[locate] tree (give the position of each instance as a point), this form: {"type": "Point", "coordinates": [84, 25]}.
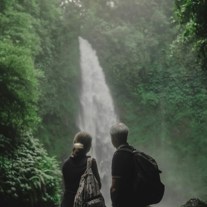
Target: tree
{"type": "Point", "coordinates": [191, 16]}
{"type": "Point", "coordinates": [19, 85]}
{"type": "Point", "coordinates": [29, 177]}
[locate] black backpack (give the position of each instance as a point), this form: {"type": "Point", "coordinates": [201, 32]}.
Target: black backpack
{"type": "Point", "coordinates": [147, 186]}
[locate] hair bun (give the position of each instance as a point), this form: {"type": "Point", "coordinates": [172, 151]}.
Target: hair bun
{"type": "Point", "coordinates": [78, 145]}
{"type": "Point", "coordinates": [78, 150]}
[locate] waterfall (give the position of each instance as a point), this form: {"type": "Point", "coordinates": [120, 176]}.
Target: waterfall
{"type": "Point", "coordinates": [97, 112]}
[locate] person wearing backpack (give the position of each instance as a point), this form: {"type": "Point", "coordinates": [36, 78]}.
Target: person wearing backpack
{"type": "Point", "coordinates": [75, 166]}
{"type": "Point", "coordinates": [135, 175]}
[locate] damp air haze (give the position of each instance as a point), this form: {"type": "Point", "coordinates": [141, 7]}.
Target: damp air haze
{"type": "Point", "coordinates": [97, 112]}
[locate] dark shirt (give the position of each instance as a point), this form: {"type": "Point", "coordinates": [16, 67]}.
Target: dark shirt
{"type": "Point", "coordinates": [73, 169]}
{"type": "Point", "coordinates": [123, 169]}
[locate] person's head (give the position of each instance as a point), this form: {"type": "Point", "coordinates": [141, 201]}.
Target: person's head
{"type": "Point", "coordinates": [119, 133]}
{"type": "Point", "coordinates": [81, 143]}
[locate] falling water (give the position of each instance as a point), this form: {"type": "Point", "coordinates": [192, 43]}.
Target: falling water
{"type": "Point", "coordinates": [97, 113]}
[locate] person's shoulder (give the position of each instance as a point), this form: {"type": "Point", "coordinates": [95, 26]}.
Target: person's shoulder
{"type": "Point", "coordinates": [124, 149]}
{"type": "Point", "coordinates": [66, 162]}
{"type": "Point", "coordinates": [124, 152]}
{"type": "Point", "coordinates": [92, 159]}
{"type": "Point", "coordinates": [69, 158]}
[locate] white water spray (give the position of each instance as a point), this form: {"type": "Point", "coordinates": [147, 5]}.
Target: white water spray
{"type": "Point", "coordinates": [97, 112]}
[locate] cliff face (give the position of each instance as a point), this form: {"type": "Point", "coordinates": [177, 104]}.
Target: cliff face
{"type": "Point", "coordinates": [194, 202]}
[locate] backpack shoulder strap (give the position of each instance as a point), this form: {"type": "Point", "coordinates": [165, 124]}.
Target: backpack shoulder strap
{"type": "Point", "coordinates": [127, 148]}
{"type": "Point", "coordinates": [89, 163]}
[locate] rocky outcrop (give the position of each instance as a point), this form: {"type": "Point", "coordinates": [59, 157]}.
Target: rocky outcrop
{"type": "Point", "coordinates": [194, 202]}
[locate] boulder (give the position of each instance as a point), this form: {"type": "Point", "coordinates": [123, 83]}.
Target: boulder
{"type": "Point", "coordinates": [195, 202]}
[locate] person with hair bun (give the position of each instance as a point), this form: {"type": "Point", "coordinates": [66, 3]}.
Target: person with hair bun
{"type": "Point", "coordinates": [74, 167]}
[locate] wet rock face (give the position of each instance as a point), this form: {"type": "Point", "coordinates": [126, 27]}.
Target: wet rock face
{"type": "Point", "coordinates": [194, 202]}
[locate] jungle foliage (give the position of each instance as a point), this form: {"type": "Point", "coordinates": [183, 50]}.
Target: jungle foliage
{"type": "Point", "coordinates": [59, 61]}
{"type": "Point", "coordinates": [191, 16]}
{"type": "Point", "coordinates": [29, 177]}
